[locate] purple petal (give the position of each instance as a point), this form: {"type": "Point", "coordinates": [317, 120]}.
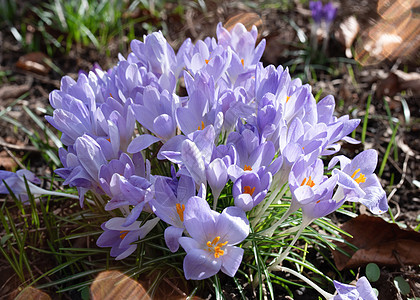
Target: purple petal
{"type": "Point", "coordinates": [198, 265]}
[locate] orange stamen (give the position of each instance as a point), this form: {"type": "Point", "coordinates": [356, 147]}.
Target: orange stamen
{"type": "Point", "coordinates": [202, 126]}
{"type": "Point", "coordinates": [123, 234]}
{"type": "Point", "coordinates": [248, 190]}
{"type": "Point", "coordinates": [247, 168]}
{"type": "Point", "coordinates": [287, 99]}
{"type": "Point", "coordinates": [180, 210]}
{"type": "Point", "coordinates": [207, 61]}
{"type": "Point", "coordinates": [361, 178]}
{"type": "Point", "coordinates": [243, 62]}
{"type": "Point", "coordinates": [214, 246]}
{"type": "Point", "coordinates": [309, 182]}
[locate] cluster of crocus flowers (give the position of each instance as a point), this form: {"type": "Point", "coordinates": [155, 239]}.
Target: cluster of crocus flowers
{"type": "Point", "coordinates": [242, 130]}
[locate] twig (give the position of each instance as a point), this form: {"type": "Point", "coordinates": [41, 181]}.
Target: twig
{"type": "Point", "coordinates": [14, 158]}
{"type": "Point", "coordinates": [17, 147]}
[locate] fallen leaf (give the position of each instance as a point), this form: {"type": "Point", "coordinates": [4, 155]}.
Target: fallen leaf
{"type": "Point", "coordinates": [347, 32]}
{"type": "Point", "coordinates": [395, 34]}
{"type": "Point", "coordinates": [33, 294]}
{"type": "Point", "coordinates": [248, 19]}
{"type": "Point", "coordinates": [34, 62]}
{"type": "Point", "coordinates": [115, 285]}
{"type": "Point", "coordinates": [378, 242]}
{"type": "Point", "coordinates": [398, 81]}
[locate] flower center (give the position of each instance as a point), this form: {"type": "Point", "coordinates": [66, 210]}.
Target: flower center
{"type": "Point", "coordinates": [309, 182]}
{"type": "Point", "coordinates": [249, 190]}
{"type": "Point", "coordinates": [247, 168]}
{"type": "Point", "coordinates": [214, 246]}
{"type": "Point", "coordinates": [207, 61]}
{"type": "Point", "coordinates": [287, 99]}
{"type": "Point", "coordinates": [180, 210]}
{"type": "Point", "coordinates": [242, 62]}
{"type": "Point", "coordinates": [123, 234]}
{"type": "Point", "coordinates": [202, 126]}
{"type": "Point", "coordinates": [360, 179]}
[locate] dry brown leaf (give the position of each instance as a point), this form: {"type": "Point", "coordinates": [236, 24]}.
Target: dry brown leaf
{"type": "Point", "coordinates": [379, 242]}
{"type": "Point", "coordinates": [248, 19]}
{"type": "Point", "coordinates": [395, 35]}
{"type": "Point", "coordinates": [33, 294]}
{"type": "Point", "coordinates": [347, 32]}
{"type": "Point", "coordinates": [398, 81]}
{"type": "Point", "coordinates": [115, 285]}
{"type": "Point", "coordinates": [34, 62]}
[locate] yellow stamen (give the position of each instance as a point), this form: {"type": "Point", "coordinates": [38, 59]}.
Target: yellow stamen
{"type": "Point", "coordinates": [202, 126]}
{"type": "Point", "coordinates": [123, 234]}
{"type": "Point", "coordinates": [360, 179]}
{"type": "Point", "coordinates": [248, 190]}
{"type": "Point", "coordinates": [243, 62]}
{"type": "Point", "coordinates": [309, 183]}
{"type": "Point", "coordinates": [214, 246]}
{"type": "Point", "coordinates": [287, 99]}
{"type": "Point", "coordinates": [207, 61]}
{"type": "Point", "coordinates": [247, 168]}
{"type": "Point", "coordinates": [180, 210]}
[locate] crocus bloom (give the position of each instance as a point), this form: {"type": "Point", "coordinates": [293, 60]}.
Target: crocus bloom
{"type": "Point", "coordinates": [120, 237]}
{"type": "Point", "coordinates": [362, 291]}
{"type": "Point", "coordinates": [310, 187]}
{"type": "Point", "coordinates": [329, 12]}
{"type": "Point", "coordinates": [357, 181]}
{"type": "Point", "coordinates": [316, 10]}
{"type": "Point", "coordinates": [213, 236]}
{"type": "Point", "coordinates": [16, 183]}
{"type": "Point", "coordinates": [169, 205]}
{"type": "Point", "coordinates": [250, 189]}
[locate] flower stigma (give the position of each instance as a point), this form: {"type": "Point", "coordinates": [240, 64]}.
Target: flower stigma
{"type": "Point", "coordinates": [123, 234]}
{"type": "Point", "coordinates": [242, 62]}
{"type": "Point", "coordinates": [180, 210]}
{"type": "Point", "coordinates": [360, 179]}
{"type": "Point", "coordinates": [249, 190]}
{"type": "Point", "coordinates": [202, 126]}
{"type": "Point", "coordinates": [214, 246]}
{"type": "Point", "coordinates": [309, 182]}
{"type": "Point", "coordinates": [247, 168]}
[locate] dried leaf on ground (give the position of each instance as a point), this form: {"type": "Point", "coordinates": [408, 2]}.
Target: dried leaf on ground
{"type": "Point", "coordinates": [115, 285]}
{"type": "Point", "coordinates": [248, 19]}
{"type": "Point", "coordinates": [378, 241]}
{"type": "Point", "coordinates": [398, 81]}
{"type": "Point", "coordinates": [33, 294]}
{"type": "Point", "coordinates": [34, 62]}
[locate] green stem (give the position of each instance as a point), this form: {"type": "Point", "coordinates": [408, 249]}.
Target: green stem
{"type": "Point", "coordinates": [324, 294]}
{"type": "Point", "coordinates": [282, 256]}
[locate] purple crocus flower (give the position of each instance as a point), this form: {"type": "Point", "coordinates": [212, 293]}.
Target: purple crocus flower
{"type": "Point", "coordinates": [120, 237]}
{"type": "Point", "coordinates": [311, 190]}
{"type": "Point", "coordinates": [362, 291]}
{"type": "Point", "coordinates": [316, 10]}
{"type": "Point", "coordinates": [154, 53]}
{"type": "Point", "coordinates": [250, 189]}
{"type": "Point", "coordinates": [16, 183]}
{"type": "Point", "coordinates": [169, 205]}
{"type": "Point", "coordinates": [252, 156]}
{"type": "Point", "coordinates": [213, 62]}
{"type": "Point", "coordinates": [81, 165]}
{"type": "Point", "coordinates": [242, 42]}
{"type": "Point", "coordinates": [213, 236]}
{"type": "Point", "coordinates": [127, 182]}
{"type": "Point", "coordinates": [329, 12]}
{"type": "Point", "coordinates": [193, 153]}
{"type": "Point", "coordinates": [357, 181]}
